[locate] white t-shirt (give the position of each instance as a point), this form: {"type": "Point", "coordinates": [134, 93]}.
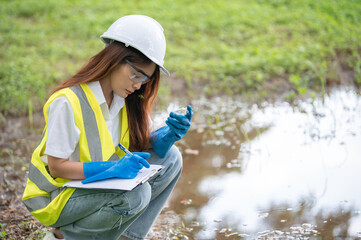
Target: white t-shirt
{"type": "Point", "coordinates": [63, 134]}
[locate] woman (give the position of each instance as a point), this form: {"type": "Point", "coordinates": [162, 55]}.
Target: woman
{"type": "Point", "coordinates": [109, 101]}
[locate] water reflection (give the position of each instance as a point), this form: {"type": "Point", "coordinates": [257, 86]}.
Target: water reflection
{"type": "Point", "coordinates": [272, 171]}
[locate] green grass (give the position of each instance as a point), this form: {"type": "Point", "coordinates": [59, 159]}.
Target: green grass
{"type": "Point", "coordinates": [227, 46]}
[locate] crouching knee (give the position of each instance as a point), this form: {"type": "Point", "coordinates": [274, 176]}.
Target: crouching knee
{"type": "Point", "coordinates": [140, 198]}
{"type": "Point", "coordinates": [135, 201]}
{"type": "Point", "coordinates": [174, 159]}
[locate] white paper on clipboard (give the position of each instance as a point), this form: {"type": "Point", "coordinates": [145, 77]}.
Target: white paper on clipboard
{"type": "Point", "coordinates": [117, 183]}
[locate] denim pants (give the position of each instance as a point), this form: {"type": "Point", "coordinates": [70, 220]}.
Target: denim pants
{"type": "Point", "coordinates": [109, 214]}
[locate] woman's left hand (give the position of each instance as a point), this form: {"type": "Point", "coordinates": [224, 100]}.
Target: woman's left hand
{"type": "Point", "coordinates": [179, 124]}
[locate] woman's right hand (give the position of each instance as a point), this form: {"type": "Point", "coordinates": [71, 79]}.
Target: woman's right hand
{"type": "Point", "coordinates": [127, 167]}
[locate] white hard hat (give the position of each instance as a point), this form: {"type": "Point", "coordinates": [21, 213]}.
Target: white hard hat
{"type": "Point", "coordinates": [142, 33]}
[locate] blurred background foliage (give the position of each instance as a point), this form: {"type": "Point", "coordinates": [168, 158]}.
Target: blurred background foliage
{"type": "Point", "coordinates": [223, 47]}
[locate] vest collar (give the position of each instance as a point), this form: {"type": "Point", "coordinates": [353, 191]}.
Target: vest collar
{"type": "Point", "coordinates": [117, 103]}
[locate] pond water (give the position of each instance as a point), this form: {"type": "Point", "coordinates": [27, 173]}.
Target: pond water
{"type": "Point", "coordinates": [272, 170]}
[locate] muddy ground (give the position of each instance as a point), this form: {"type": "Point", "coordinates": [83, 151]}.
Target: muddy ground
{"type": "Point", "coordinates": [17, 140]}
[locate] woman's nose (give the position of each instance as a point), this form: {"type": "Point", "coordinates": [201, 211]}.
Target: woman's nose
{"type": "Point", "coordinates": [137, 85]}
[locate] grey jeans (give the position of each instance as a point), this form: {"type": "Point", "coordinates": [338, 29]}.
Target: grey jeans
{"type": "Point", "coordinates": [108, 214]}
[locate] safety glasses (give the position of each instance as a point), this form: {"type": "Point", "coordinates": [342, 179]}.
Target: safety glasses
{"type": "Point", "coordinates": [139, 76]}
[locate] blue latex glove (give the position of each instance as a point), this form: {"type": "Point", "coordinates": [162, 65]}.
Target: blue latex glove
{"type": "Point", "coordinates": [93, 168]}
{"type": "Point", "coordinates": [126, 167]}
{"type": "Point", "coordinates": [178, 125]}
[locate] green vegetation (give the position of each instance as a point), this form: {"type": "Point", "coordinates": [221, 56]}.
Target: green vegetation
{"type": "Point", "coordinates": [227, 46]}
{"type": "Point", "coordinates": [32, 229]}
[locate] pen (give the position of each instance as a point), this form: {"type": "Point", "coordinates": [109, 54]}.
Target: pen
{"type": "Point", "coordinates": [124, 149]}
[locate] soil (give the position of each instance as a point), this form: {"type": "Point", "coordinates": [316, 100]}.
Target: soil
{"type": "Point", "coordinates": [17, 140]}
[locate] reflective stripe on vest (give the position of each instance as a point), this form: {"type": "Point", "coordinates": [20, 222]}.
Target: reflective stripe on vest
{"type": "Point", "coordinates": [90, 125]}
{"type": "Point", "coordinates": [39, 202]}
{"type": "Point", "coordinates": [40, 180]}
{"type": "Point", "coordinates": [44, 196]}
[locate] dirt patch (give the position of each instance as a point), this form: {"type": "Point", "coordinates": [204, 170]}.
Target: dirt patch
{"type": "Point", "coordinates": [17, 142]}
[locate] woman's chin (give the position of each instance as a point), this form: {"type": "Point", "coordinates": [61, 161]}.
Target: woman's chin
{"type": "Point", "coordinates": [122, 94]}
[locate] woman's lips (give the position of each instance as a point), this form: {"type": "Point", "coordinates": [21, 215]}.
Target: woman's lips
{"type": "Point", "coordinates": [129, 92]}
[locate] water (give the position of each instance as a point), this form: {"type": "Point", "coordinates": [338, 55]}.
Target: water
{"type": "Point", "coordinates": [272, 171]}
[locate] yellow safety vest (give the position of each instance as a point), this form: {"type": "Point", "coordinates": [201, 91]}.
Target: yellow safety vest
{"type": "Point", "coordinates": [44, 195]}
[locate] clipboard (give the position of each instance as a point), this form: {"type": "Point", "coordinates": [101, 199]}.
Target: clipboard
{"type": "Point", "coordinates": [143, 176]}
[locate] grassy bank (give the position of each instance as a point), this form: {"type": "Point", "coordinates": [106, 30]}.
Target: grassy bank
{"type": "Point", "coordinates": [225, 46]}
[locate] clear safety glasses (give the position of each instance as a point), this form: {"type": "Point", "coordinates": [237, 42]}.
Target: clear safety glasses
{"type": "Point", "coordinates": [139, 76]}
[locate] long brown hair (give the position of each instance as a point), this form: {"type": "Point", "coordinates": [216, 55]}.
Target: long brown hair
{"type": "Point", "coordinates": [139, 104]}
